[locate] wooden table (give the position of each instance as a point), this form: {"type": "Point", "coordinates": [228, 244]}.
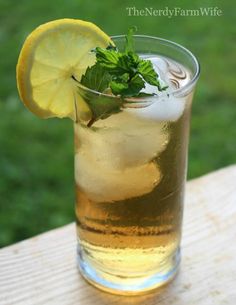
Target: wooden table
{"type": "Point", "coordinates": [42, 270]}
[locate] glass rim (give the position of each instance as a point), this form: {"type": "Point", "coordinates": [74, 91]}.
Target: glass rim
{"type": "Point", "coordinates": [177, 92]}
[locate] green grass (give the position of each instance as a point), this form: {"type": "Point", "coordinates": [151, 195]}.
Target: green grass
{"type": "Point", "coordinates": [36, 156]}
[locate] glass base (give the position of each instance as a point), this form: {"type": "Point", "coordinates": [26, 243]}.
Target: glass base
{"type": "Point", "coordinates": [124, 285]}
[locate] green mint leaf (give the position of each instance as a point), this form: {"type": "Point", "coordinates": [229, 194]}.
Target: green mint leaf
{"type": "Point", "coordinates": [123, 78]}
{"type": "Point", "coordinates": [145, 68]}
{"type": "Point", "coordinates": [96, 78]}
{"type": "Point", "coordinates": [118, 87]}
{"type": "Point", "coordinates": [114, 62]}
{"type": "Point", "coordinates": [135, 85]}
{"type": "Point", "coordinates": [103, 106]}
{"type": "Point", "coordinates": [134, 59]}
{"type": "Point", "coordinates": [107, 58]}
{"type": "Point", "coordinates": [127, 88]}
{"type": "Point", "coordinates": [129, 40]}
{"type": "Point", "coordinates": [119, 84]}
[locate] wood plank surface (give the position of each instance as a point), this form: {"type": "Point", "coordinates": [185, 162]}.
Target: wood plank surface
{"type": "Point", "coordinates": [42, 270]}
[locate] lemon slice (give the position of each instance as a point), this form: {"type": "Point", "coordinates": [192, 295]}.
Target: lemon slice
{"type": "Point", "coordinates": [52, 57]}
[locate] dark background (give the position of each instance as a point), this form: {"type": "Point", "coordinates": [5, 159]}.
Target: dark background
{"type": "Point", "coordinates": [36, 156]}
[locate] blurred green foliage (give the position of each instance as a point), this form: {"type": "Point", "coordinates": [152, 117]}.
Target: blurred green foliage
{"type": "Point", "coordinates": [36, 156]}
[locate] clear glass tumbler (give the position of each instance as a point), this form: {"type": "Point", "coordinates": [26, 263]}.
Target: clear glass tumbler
{"type": "Point", "coordinates": [130, 173]}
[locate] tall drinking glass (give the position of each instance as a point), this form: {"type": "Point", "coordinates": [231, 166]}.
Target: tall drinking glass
{"type": "Point", "coordinates": [130, 172]}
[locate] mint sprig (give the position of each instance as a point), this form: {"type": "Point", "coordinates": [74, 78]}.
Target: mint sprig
{"type": "Point", "coordinates": [123, 74]}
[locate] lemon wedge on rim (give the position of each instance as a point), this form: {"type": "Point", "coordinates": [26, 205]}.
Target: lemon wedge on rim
{"type": "Point", "coordinates": [53, 56]}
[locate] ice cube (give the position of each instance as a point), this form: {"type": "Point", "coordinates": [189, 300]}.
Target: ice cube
{"type": "Point", "coordinates": [127, 142]}
{"type": "Point", "coordinates": [108, 185]}
{"type": "Point", "coordinates": [164, 108]}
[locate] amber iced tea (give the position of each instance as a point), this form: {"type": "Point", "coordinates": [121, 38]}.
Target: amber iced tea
{"type": "Point", "coordinates": [130, 171]}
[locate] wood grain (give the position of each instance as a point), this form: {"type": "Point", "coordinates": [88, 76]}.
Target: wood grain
{"type": "Point", "coordinates": [42, 270]}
